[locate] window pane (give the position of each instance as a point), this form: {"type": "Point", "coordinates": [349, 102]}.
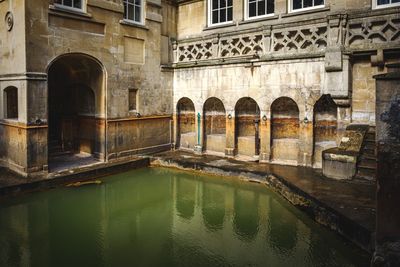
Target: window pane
{"type": "Point", "coordinates": [130, 12]}
{"type": "Point", "coordinates": [138, 2]}
{"type": "Point", "coordinates": [318, 2]}
{"type": "Point", "coordinates": [271, 7]}
{"type": "Point", "coordinates": [230, 13]}
{"type": "Point", "coordinates": [383, 2]}
{"type": "Point", "coordinates": [214, 4]}
{"type": "Point", "coordinates": [261, 8]}
{"type": "Point", "coordinates": [125, 11]}
{"type": "Point", "coordinates": [297, 4]}
{"type": "Point", "coordinates": [222, 3]}
{"type": "Point", "coordinates": [252, 9]}
{"type": "Point", "coordinates": [308, 3]}
{"type": "Point", "coordinates": [137, 14]}
{"type": "Point", "coordinates": [229, 3]}
{"type": "Point", "coordinates": [395, 1]}
{"type": "Point", "coordinates": [68, 3]}
{"type": "Point", "coordinates": [78, 3]}
{"type": "Point", "coordinates": [215, 16]}
{"type": "Point", "coordinates": [222, 15]}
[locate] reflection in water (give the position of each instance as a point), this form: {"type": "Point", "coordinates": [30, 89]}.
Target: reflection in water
{"type": "Point", "coordinates": [159, 217]}
{"type": "Point", "coordinates": [185, 196]}
{"type": "Point", "coordinates": [246, 220]}
{"type": "Point", "coordinates": [282, 229]}
{"type": "Point", "coordinates": [213, 206]}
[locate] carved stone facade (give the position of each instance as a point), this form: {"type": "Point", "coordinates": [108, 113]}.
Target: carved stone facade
{"type": "Point", "coordinates": [269, 76]}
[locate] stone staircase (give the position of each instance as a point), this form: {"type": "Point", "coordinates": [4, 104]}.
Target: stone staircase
{"type": "Point", "coordinates": [367, 162]}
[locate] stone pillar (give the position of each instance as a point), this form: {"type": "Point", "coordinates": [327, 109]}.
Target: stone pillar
{"type": "Point", "coordinates": [198, 148]}
{"type": "Point", "coordinates": [175, 131]}
{"type": "Point", "coordinates": [265, 137]}
{"type": "Point", "coordinates": [387, 247]}
{"type": "Point", "coordinates": [306, 138]}
{"type": "Point", "coordinates": [230, 134]}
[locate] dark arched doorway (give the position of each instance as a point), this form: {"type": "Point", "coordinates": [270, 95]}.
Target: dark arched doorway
{"type": "Point", "coordinates": [76, 107]}
{"type": "Point", "coordinates": [214, 126]}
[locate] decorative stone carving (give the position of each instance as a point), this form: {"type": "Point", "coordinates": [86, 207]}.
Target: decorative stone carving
{"type": "Point", "coordinates": [300, 39]}
{"type": "Point", "coordinates": [241, 46]}
{"type": "Point", "coordinates": [195, 51]}
{"type": "Point", "coordinates": [9, 19]}
{"type": "Point", "coordinates": [373, 31]}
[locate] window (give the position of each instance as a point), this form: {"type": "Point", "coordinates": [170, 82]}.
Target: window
{"type": "Point", "coordinates": [132, 99]}
{"type": "Point", "coordinates": [11, 103]}
{"type": "Point", "coordinates": [297, 5]}
{"type": "Point", "coordinates": [385, 3]}
{"type": "Point", "coordinates": [70, 4]}
{"type": "Point", "coordinates": [133, 11]}
{"type": "Point", "coordinates": [260, 8]}
{"type": "Point", "coordinates": [220, 11]}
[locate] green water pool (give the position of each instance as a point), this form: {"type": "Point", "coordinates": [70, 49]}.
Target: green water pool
{"type": "Point", "coordinates": [164, 217]}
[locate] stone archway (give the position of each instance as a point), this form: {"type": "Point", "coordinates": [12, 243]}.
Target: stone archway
{"type": "Point", "coordinates": [285, 130]}
{"type": "Point", "coordinates": [76, 107]}
{"type": "Point", "coordinates": [214, 126]}
{"type": "Point", "coordinates": [186, 130]}
{"type": "Point", "coordinates": [247, 118]}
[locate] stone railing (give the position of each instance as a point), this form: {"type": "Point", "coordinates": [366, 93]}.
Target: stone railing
{"type": "Point", "coordinates": [340, 32]}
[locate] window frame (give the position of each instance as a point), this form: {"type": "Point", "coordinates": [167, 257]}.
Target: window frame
{"type": "Point", "coordinates": [376, 6]}
{"type": "Point", "coordinates": [209, 15]}
{"type": "Point", "coordinates": [142, 13]}
{"type": "Point", "coordinates": [75, 9]}
{"type": "Point", "coordinates": [247, 15]}
{"type": "Point", "coordinates": [291, 10]}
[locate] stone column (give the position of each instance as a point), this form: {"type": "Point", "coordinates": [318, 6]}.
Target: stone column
{"type": "Point", "coordinates": [175, 130]}
{"type": "Point", "coordinates": [230, 134]}
{"type": "Point", "coordinates": [198, 148]}
{"type": "Point", "coordinates": [306, 138]}
{"type": "Point", "coordinates": [265, 137]}
{"type": "Point", "coordinates": [387, 247]}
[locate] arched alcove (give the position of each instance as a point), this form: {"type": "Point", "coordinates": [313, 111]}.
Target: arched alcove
{"type": "Point", "coordinates": [285, 130]}
{"type": "Point", "coordinates": [247, 118]}
{"type": "Point", "coordinates": [186, 135]}
{"type": "Point", "coordinates": [214, 125]}
{"type": "Point", "coordinates": [325, 127]}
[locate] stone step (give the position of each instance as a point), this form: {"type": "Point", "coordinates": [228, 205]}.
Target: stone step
{"type": "Point", "coordinates": [368, 156]}
{"type": "Point", "coordinates": [370, 165]}
{"type": "Point", "coordinates": [365, 174]}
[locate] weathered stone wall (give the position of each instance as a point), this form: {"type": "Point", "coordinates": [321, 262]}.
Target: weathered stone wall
{"type": "Point", "coordinates": [130, 56]}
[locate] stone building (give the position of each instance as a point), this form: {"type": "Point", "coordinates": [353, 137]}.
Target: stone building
{"type": "Point", "coordinates": [270, 80]}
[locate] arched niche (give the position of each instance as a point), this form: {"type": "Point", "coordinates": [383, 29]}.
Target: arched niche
{"type": "Point", "coordinates": [247, 118]}
{"type": "Point", "coordinates": [285, 130]}
{"type": "Point", "coordinates": [214, 126]}
{"type": "Point", "coordinates": [325, 127]}
{"type": "Point", "coordinates": [186, 128]}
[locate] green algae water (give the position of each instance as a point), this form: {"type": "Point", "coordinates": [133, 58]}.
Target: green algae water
{"type": "Point", "coordinates": [163, 217]}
